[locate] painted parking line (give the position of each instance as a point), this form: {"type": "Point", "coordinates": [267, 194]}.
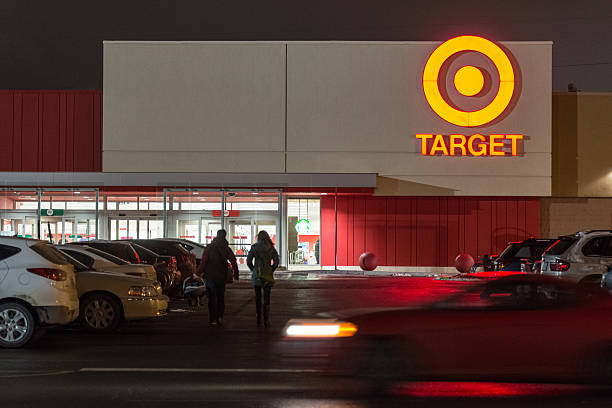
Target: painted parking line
{"type": "Point", "coordinates": [13, 374]}
{"type": "Point", "coordinates": [194, 370]}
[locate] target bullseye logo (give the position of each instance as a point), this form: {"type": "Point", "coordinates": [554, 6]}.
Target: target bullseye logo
{"type": "Point", "coordinates": [469, 81]}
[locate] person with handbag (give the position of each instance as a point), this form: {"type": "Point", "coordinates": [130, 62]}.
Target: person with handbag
{"type": "Point", "coordinates": [215, 269]}
{"type": "Point", "coordinates": [262, 261]}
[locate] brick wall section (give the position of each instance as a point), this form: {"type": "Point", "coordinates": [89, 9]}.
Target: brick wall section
{"type": "Point", "coordinates": [562, 216]}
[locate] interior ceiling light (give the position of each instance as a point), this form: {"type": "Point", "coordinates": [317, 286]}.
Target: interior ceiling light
{"type": "Point", "coordinates": [77, 192]}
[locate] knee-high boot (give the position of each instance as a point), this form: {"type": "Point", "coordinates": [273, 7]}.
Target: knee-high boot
{"type": "Point", "coordinates": [266, 315]}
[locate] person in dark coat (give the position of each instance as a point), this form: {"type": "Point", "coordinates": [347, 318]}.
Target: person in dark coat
{"type": "Point", "coordinates": [262, 261]}
{"type": "Point", "coordinates": [214, 269]}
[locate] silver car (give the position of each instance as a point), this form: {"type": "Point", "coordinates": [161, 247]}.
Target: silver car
{"type": "Point", "coordinates": [582, 257]}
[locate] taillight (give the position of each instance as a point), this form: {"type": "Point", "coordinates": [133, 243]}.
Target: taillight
{"type": "Point", "coordinates": [49, 273]}
{"type": "Point", "coordinates": [559, 266]}
{"type": "Point", "coordinates": [136, 255]}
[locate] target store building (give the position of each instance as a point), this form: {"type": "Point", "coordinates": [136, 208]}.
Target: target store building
{"type": "Point", "coordinates": [415, 151]}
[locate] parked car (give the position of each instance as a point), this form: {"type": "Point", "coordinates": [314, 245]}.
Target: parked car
{"type": "Point", "coordinates": [99, 260]}
{"type": "Point", "coordinates": [191, 246]}
{"type": "Point", "coordinates": [522, 256]}
{"type": "Point", "coordinates": [121, 249]}
{"type": "Point", "coordinates": [581, 257]}
{"type": "Point", "coordinates": [107, 299]}
{"type": "Point", "coordinates": [520, 327]}
{"type": "Point", "coordinates": [606, 279]}
{"type": "Point", "coordinates": [186, 261]}
{"type": "Point", "coordinates": [37, 288]}
{"type": "Point", "coordinates": [166, 267]}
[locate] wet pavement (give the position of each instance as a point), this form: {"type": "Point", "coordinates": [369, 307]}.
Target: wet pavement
{"type": "Point", "coordinates": [178, 360]}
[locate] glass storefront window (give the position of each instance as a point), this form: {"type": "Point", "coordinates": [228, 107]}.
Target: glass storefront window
{"type": "Point", "coordinates": [133, 215]}
{"type": "Point", "coordinates": [247, 213]}
{"type": "Point", "coordinates": [68, 215]}
{"type": "Point", "coordinates": [18, 213]}
{"type": "Point", "coordinates": [194, 214]}
{"type": "Point", "coordinates": [304, 231]}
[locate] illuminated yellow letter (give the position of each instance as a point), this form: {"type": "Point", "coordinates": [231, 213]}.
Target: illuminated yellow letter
{"type": "Point", "coordinates": [483, 148]}
{"type": "Point", "coordinates": [424, 138]}
{"type": "Point", "coordinates": [454, 144]}
{"type": "Point", "coordinates": [438, 146]}
{"type": "Point", "coordinates": [515, 139]}
{"type": "Point", "coordinates": [494, 144]}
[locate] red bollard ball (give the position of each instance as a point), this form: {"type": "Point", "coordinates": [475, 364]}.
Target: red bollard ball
{"type": "Point", "coordinates": [464, 263]}
{"type": "Point", "coordinates": [368, 261]}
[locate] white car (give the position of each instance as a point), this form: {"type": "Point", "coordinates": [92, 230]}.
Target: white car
{"type": "Point", "coordinates": [37, 288]}
{"type": "Point", "coordinates": [107, 299]}
{"type": "Point", "coordinates": [99, 260]}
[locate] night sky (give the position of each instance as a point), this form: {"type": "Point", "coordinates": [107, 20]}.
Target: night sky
{"type": "Point", "coordinates": [58, 44]}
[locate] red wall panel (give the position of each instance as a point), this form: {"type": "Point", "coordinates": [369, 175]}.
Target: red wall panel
{"type": "Point", "coordinates": [424, 231]}
{"type": "Point", "coordinates": [51, 130]}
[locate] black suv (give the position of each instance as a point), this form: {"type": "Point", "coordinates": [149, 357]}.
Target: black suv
{"type": "Point", "coordinates": [523, 256]}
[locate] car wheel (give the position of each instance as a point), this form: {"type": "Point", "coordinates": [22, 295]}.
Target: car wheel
{"type": "Point", "coordinates": [100, 313]}
{"type": "Point", "coordinates": [17, 325]}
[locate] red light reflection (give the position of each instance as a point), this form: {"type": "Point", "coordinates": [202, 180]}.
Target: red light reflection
{"type": "Point", "coordinates": [448, 389]}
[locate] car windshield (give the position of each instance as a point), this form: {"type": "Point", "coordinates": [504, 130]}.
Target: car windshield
{"type": "Point", "coordinates": [144, 252]}
{"type": "Point", "coordinates": [107, 256]}
{"type": "Point", "coordinates": [50, 253]}
{"type": "Point", "coordinates": [561, 245]}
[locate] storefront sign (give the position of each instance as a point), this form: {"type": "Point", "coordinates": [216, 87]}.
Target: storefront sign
{"type": "Point", "coordinates": [226, 213]}
{"type": "Point", "coordinates": [469, 81]}
{"type": "Point", "coordinates": [51, 213]}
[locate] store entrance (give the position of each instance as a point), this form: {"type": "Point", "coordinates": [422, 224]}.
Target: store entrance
{"type": "Point", "coordinates": [201, 230]}
{"type": "Point", "coordinates": [135, 228]}
{"type": "Point", "coordinates": [242, 232]}
{"type": "Point", "coordinates": [62, 230]}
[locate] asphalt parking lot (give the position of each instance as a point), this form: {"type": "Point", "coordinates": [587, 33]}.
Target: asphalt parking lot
{"type": "Point", "coordinates": [179, 359]}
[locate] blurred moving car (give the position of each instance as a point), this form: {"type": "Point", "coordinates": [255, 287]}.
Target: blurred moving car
{"type": "Point", "coordinates": [107, 299]}
{"type": "Point", "coordinates": [522, 256]}
{"type": "Point", "coordinates": [185, 260]}
{"type": "Point", "coordinates": [519, 327]}
{"type": "Point", "coordinates": [37, 288]}
{"type": "Point", "coordinates": [99, 260]}
{"type": "Point", "coordinates": [582, 257]}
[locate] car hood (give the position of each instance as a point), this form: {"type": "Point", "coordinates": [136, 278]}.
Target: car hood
{"type": "Point", "coordinates": [111, 278]}
{"type": "Point", "coordinates": [137, 270]}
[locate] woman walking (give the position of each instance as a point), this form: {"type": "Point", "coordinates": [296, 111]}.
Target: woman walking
{"type": "Point", "coordinates": [265, 263]}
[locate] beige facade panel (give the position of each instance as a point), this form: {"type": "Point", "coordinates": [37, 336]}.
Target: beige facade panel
{"type": "Point", "coordinates": [369, 97]}
{"type": "Point", "coordinates": [176, 97]}
{"type": "Point", "coordinates": [404, 164]}
{"type": "Point", "coordinates": [316, 107]}
{"type": "Point", "coordinates": [235, 162]}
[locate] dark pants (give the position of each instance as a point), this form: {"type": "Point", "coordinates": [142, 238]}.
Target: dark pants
{"type": "Point", "coordinates": [216, 299]}
{"type": "Point", "coordinates": [266, 296]}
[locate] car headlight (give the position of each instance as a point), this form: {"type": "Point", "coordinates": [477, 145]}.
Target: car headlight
{"type": "Point", "coordinates": [319, 328]}
{"type": "Point", "coordinates": [143, 291]}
